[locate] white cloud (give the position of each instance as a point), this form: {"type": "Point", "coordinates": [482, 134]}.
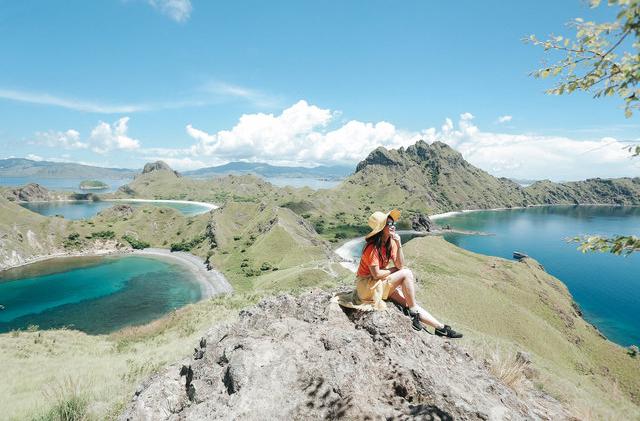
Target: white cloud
{"type": "Point", "coordinates": [69, 139]}
{"type": "Point", "coordinates": [533, 156]}
{"type": "Point", "coordinates": [34, 157]}
{"type": "Point", "coordinates": [208, 94]}
{"type": "Point", "coordinates": [106, 137]}
{"type": "Point", "coordinates": [103, 138]}
{"type": "Point", "coordinates": [227, 90]}
{"type": "Point", "coordinates": [504, 119]}
{"type": "Point", "coordinates": [301, 135]}
{"type": "Point", "coordinates": [69, 103]}
{"type": "Point", "coordinates": [178, 10]}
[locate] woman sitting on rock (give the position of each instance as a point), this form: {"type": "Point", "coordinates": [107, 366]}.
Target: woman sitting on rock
{"type": "Point", "coordinates": [375, 283]}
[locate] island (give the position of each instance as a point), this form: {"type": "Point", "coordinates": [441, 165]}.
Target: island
{"type": "Point", "coordinates": [93, 185]}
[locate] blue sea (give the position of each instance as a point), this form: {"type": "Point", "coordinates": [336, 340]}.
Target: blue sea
{"type": "Point", "coordinates": [605, 286]}
{"type": "Point", "coordinates": [83, 209]}
{"type": "Point", "coordinates": [93, 294]}
{"type": "Point", "coordinates": [63, 184]}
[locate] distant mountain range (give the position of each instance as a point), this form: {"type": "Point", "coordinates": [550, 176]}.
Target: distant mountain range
{"type": "Point", "coordinates": [266, 170]}
{"type": "Point", "coordinates": [20, 167]}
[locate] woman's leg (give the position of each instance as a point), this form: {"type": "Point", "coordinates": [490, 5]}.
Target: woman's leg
{"type": "Point", "coordinates": [404, 279]}
{"type": "Point", "coordinates": [401, 297]}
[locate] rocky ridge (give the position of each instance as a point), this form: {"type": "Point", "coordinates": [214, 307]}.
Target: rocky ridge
{"type": "Point", "coordinates": [439, 177]}
{"type": "Point", "coordinates": [32, 192]}
{"type": "Point", "coordinates": [306, 358]}
{"type": "Point", "coordinates": [158, 166]}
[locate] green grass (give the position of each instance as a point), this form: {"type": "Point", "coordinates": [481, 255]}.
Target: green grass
{"type": "Point", "coordinates": [507, 306]}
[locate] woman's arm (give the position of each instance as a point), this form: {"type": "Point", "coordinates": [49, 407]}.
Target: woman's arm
{"type": "Point", "coordinates": [378, 273]}
{"type": "Point", "coordinates": [399, 261]}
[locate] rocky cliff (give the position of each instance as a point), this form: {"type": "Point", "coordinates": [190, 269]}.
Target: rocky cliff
{"type": "Point", "coordinates": [32, 192]}
{"type": "Point", "coordinates": [437, 177]}
{"type": "Point", "coordinates": [159, 166]}
{"type": "Point", "coordinates": [307, 358]}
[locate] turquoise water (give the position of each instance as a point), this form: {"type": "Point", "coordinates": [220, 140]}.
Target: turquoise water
{"type": "Point", "coordinates": [82, 209]}
{"type": "Point", "coordinates": [94, 294]}
{"type": "Point", "coordinates": [606, 287]}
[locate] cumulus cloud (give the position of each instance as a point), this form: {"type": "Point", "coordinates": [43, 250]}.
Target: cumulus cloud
{"type": "Point", "coordinates": [69, 139]}
{"type": "Point", "coordinates": [299, 135]}
{"type": "Point", "coordinates": [305, 134]}
{"type": "Point", "coordinates": [178, 10]}
{"type": "Point", "coordinates": [103, 138]}
{"type": "Point", "coordinates": [106, 137]}
{"type": "Point", "coordinates": [505, 119]}
{"type": "Point", "coordinates": [534, 156]}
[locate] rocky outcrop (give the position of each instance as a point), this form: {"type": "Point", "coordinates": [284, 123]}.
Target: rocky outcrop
{"type": "Point", "coordinates": [307, 358]}
{"type": "Point", "coordinates": [380, 156]}
{"type": "Point", "coordinates": [117, 212]}
{"type": "Point", "coordinates": [32, 192]}
{"type": "Point", "coordinates": [158, 166]}
{"type": "Point", "coordinates": [421, 222]}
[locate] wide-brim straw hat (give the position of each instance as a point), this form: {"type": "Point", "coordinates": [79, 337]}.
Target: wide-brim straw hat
{"type": "Point", "coordinates": [378, 220]}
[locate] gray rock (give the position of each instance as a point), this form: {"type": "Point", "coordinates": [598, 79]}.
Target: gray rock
{"type": "Point", "coordinates": [421, 222]}
{"type": "Point", "coordinates": [307, 358]}
{"type": "Point", "coordinates": [158, 166]}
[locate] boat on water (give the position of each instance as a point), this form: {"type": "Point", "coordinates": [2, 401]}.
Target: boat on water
{"type": "Point", "coordinates": [519, 255]}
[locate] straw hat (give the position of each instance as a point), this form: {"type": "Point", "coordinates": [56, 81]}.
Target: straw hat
{"type": "Point", "coordinates": [378, 220]}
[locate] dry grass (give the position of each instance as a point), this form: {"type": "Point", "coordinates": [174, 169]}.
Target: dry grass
{"type": "Point", "coordinates": [68, 401]}
{"type": "Point", "coordinates": [509, 369]}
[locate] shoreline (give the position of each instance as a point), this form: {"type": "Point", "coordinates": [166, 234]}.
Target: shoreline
{"type": "Point", "coordinates": [208, 206]}
{"type": "Point", "coordinates": [212, 282]}
{"type": "Point", "coordinates": [437, 216]}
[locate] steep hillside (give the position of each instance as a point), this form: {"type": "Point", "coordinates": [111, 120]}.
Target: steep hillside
{"type": "Point", "coordinates": [268, 247]}
{"type": "Point", "coordinates": [619, 191]}
{"type": "Point", "coordinates": [524, 341]}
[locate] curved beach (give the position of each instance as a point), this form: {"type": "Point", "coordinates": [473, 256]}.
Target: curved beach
{"type": "Point", "coordinates": [211, 282]}
{"type": "Point", "coordinates": [207, 206]}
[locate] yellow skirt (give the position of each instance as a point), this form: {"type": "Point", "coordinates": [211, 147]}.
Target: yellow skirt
{"type": "Point", "coordinates": [369, 295]}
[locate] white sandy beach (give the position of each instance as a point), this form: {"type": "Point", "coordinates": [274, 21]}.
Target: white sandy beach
{"type": "Point", "coordinates": [208, 206]}
{"type": "Point", "coordinates": [212, 282]}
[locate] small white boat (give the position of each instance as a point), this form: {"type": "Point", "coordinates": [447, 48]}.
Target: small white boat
{"type": "Point", "coordinates": [519, 255]}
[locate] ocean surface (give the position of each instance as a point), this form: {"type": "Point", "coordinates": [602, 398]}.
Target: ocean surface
{"type": "Point", "coordinates": [94, 294]}
{"type": "Point", "coordinates": [63, 184]}
{"type": "Point", "coordinates": [73, 184]}
{"type": "Point", "coordinates": [605, 286]}
{"type": "Point", "coordinates": [312, 183]}
{"type": "Point", "coordinates": [88, 209]}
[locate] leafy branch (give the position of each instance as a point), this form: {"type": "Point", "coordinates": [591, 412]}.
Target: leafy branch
{"type": "Point", "coordinates": [620, 245]}
{"type": "Point", "coordinates": [593, 61]}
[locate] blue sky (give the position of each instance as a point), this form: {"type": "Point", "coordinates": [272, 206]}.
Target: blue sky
{"type": "Point", "coordinates": [197, 83]}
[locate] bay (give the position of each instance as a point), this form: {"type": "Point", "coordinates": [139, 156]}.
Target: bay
{"type": "Point", "coordinates": [93, 294]}
{"type": "Point", "coordinates": [82, 209]}
{"type": "Point", "coordinates": [605, 286]}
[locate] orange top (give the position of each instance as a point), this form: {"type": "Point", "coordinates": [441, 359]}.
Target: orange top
{"type": "Point", "coordinates": [370, 257]}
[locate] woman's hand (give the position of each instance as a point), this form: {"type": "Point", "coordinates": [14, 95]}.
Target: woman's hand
{"type": "Point", "coordinates": [395, 236]}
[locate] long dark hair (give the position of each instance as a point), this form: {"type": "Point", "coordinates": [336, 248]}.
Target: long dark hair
{"type": "Point", "coordinates": [376, 240]}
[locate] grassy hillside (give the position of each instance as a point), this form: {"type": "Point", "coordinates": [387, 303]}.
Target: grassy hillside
{"type": "Point", "coordinates": [501, 306]}
{"type": "Point", "coordinates": [620, 191]}
{"type": "Point", "coordinates": [504, 306]}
